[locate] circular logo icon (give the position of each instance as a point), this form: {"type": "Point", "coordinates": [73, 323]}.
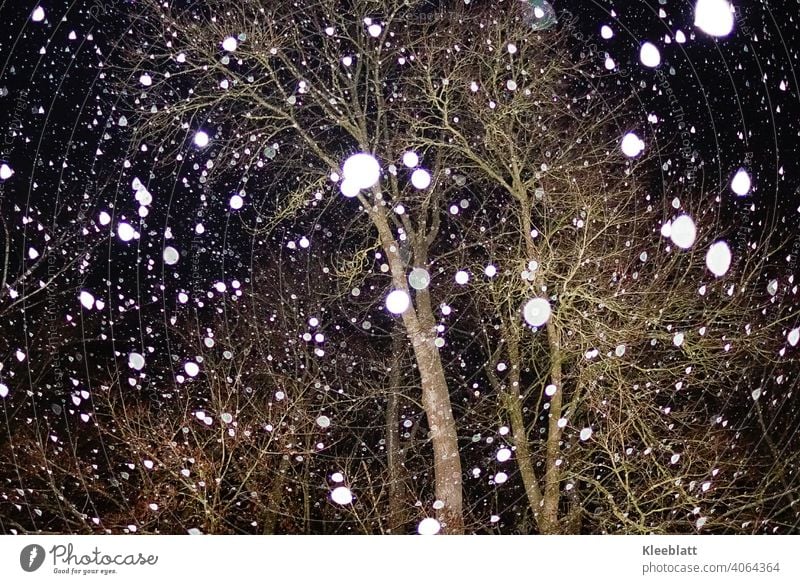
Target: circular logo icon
{"type": "Point", "coordinates": [31, 557]}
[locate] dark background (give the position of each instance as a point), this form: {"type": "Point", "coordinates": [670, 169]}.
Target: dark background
{"type": "Point", "coordinates": [735, 105]}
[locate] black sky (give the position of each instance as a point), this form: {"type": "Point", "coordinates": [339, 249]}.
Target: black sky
{"type": "Point", "coordinates": [720, 103]}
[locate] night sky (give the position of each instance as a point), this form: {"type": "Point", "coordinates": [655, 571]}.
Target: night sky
{"type": "Point", "coordinates": [714, 106]}
{"type": "Point", "coordinates": [721, 103]}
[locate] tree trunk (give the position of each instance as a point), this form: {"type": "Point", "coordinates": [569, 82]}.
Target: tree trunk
{"type": "Point", "coordinates": [436, 401]}
{"type": "Point", "coordinates": [553, 450]}
{"type": "Point", "coordinates": [552, 476]}
{"type": "Point", "coordinates": [519, 435]}
{"type": "Point", "coordinates": [510, 399]}
{"type": "Point", "coordinates": [419, 323]}
{"type": "Point", "coordinates": [274, 497]}
{"type": "Point", "coordinates": [394, 460]}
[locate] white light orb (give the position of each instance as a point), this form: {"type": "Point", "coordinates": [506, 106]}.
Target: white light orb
{"type": "Point", "coordinates": [649, 55]}
{"type": "Point", "coordinates": [171, 256]}
{"type": "Point", "coordinates": [38, 14]}
{"type": "Point", "coordinates": [503, 455]}
{"type": "Point", "coordinates": [201, 139]}
{"type": "Point", "coordinates": [136, 361]}
{"type": "Point", "coordinates": [236, 202]}
{"type": "Point", "coordinates": [144, 197]}
{"type": "Point", "coordinates": [632, 145]}
{"type": "Point", "coordinates": [230, 44]}
{"type": "Point", "coordinates": [684, 232]}
{"type": "Point", "coordinates": [718, 258]}
{"type": "Point", "coordinates": [462, 277]}
{"type": "Point", "coordinates": [86, 299]}
{"type": "Point", "coordinates": [362, 170]}
{"type": "Point", "coordinates": [349, 188]}
{"type": "Point", "coordinates": [421, 179]}
{"type": "Point", "coordinates": [429, 526]}
{"type": "Point", "coordinates": [772, 287]}
{"type": "Point", "coordinates": [6, 172]}
{"type": "Point", "coordinates": [191, 368]}
{"type": "Point", "coordinates": [398, 301]}
{"type": "Point", "coordinates": [537, 311]}
{"type": "Point", "coordinates": [342, 496]}
{"type": "Point", "coordinates": [411, 159]}
{"type": "Point", "coordinates": [125, 232]}
{"type": "Point", "coordinates": [741, 183]}
{"type": "Point", "coordinates": [419, 278]}
{"type": "Point", "coordinates": [714, 17]}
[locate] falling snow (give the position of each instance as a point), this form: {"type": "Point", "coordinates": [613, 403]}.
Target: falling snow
{"type": "Point", "coordinates": [136, 361]}
{"type": "Point", "coordinates": [332, 215]}
{"type": "Point", "coordinates": [361, 170]}
{"type": "Point", "coordinates": [342, 496]}
{"type": "Point", "coordinates": [421, 178]}
{"type": "Point", "coordinates": [537, 311]}
{"type": "Point", "coordinates": [741, 182]}
{"type": "Point", "coordinates": [649, 55]}
{"type": "Point", "coordinates": [718, 258]}
{"type": "Point", "coordinates": [714, 17]}
{"type": "Point", "coordinates": [398, 301]}
{"type": "Point", "coordinates": [632, 145]}
{"type": "Point", "coordinates": [683, 233]}
{"type": "Point", "coordinates": [429, 526]}
{"type": "Point", "coordinates": [201, 139]}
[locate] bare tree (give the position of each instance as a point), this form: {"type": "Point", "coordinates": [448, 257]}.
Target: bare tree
{"type": "Point", "coordinates": [44, 259]}
{"type": "Point", "coordinates": [287, 83]}
{"type": "Point", "coordinates": [642, 342]}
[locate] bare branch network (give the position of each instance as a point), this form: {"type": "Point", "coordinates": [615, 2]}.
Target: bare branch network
{"type": "Point", "coordinates": [641, 394]}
